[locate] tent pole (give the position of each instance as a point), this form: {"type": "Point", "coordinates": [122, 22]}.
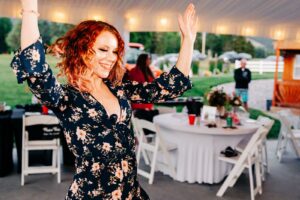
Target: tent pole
{"type": "Point", "coordinates": [203, 42]}
{"type": "Point", "coordinates": [276, 73]}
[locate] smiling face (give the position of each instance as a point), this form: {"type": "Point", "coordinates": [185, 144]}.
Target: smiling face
{"type": "Point", "coordinates": [106, 54]}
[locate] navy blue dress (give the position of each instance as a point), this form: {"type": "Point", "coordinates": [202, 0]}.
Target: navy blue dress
{"type": "Point", "coordinates": [104, 147]}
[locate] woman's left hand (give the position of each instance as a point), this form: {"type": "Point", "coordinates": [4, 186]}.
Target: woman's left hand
{"type": "Point", "coordinates": [188, 23]}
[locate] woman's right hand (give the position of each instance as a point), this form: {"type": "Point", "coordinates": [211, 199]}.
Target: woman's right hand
{"type": "Point", "coordinates": [29, 4]}
{"type": "Point", "coordinates": [29, 31]}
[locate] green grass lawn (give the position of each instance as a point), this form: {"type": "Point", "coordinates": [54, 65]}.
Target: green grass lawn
{"type": "Point", "coordinates": [14, 94]}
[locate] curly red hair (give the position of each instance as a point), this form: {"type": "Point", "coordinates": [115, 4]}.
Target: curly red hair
{"type": "Point", "coordinates": [76, 50]}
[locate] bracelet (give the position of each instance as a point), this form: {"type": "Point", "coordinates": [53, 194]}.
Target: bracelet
{"type": "Point", "coordinates": [30, 11]}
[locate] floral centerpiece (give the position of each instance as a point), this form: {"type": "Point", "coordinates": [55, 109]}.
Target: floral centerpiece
{"type": "Point", "coordinates": [235, 102]}
{"type": "Point", "coordinates": [219, 99]}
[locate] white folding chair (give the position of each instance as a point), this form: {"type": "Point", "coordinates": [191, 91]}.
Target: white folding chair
{"type": "Point", "coordinates": [31, 145]}
{"type": "Point", "coordinates": [249, 157]}
{"type": "Point", "coordinates": [267, 123]}
{"type": "Point", "coordinates": [138, 137]}
{"type": "Point", "coordinates": [151, 148]}
{"type": "Point", "coordinates": [287, 134]}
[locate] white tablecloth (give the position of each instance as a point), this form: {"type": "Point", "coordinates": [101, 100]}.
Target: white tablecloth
{"type": "Point", "coordinates": [198, 147]}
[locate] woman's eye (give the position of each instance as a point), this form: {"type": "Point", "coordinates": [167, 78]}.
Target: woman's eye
{"type": "Point", "coordinates": [102, 49]}
{"type": "Point", "coordinates": [115, 52]}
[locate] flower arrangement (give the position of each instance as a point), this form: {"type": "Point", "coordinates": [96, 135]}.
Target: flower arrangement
{"type": "Point", "coordinates": [235, 101]}
{"type": "Point", "coordinates": [217, 98]}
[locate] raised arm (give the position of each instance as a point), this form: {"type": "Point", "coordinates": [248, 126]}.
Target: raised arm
{"type": "Point", "coordinates": [188, 29]}
{"type": "Point", "coordinates": [30, 31]}
{"type": "Point", "coordinates": [29, 63]}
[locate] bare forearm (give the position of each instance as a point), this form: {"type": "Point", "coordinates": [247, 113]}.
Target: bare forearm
{"type": "Point", "coordinates": [29, 31]}
{"type": "Point", "coordinates": [185, 56]}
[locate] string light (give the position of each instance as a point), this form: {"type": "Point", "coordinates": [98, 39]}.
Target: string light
{"type": "Point", "coordinates": [248, 31]}
{"type": "Point", "coordinates": [59, 16]}
{"type": "Point", "coordinates": [163, 21]}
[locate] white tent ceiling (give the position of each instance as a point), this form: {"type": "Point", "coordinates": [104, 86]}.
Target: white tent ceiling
{"type": "Point", "coordinates": [277, 19]}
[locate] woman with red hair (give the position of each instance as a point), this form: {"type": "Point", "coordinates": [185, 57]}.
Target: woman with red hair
{"type": "Point", "coordinates": [94, 106]}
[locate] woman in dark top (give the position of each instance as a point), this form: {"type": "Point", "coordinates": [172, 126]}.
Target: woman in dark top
{"type": "Point", "coordinates": [93, 108]}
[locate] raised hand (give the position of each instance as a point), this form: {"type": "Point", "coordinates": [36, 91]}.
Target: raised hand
{"type": "Point", "coordinates": [29, 32]}
{"type": "Point", "coordinates": [188, 23]}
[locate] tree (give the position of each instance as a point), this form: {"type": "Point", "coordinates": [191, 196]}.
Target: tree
{"type": "Point", "coordinates": [214, 43]}
{"type": "Point", "coordinates": [58, 30]}
{"type": "Point", "coordinates": [157, 42]}
{"type": "Point", "coordinates": [260, 53]}
{"type": "Point", "coordinates": [13, 37]}
{"type": "Point", "coordinates": [198, 42]}
{"type": "Point", "coordinates": [5, 28]}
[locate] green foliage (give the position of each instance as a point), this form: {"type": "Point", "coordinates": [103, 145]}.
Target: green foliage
{"type": "Point", "coordinates": [5, 27]}
{"type": "Point", "coordinates": [58, 30]}
{"type": "Point", "coordinates": [195, 67]}
{"type": "Point", "coordinates": [221, 43]}
{"type": "Point", "coordinates": [260, 53]}
{"type": "Point", "coordinates": [11, 92]}
{"type": "Point", "coordinates": [13, 37]}
{"type": "Point", "coordinates": [157, 42]}
{"type": "Point", "coordinates": [50, 31]}
{"type": "Point", "coordinates": [198, 42]}
{"type": "Point", "coordinates": [212, 66]}
{"type": "Point", "coordinates": [220, 65]}
{"type": "Point", "coordinates": [254, 113]}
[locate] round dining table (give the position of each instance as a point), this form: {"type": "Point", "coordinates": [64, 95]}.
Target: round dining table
{"type": "Point", "coordinates": [198, 146]}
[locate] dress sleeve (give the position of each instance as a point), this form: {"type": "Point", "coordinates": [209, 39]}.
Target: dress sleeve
{"type": "Point", "coordinates": [30, 65]}
{"type": "Point", "coordinates": [167, 86]}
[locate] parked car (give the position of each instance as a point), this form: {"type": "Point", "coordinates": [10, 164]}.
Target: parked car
{"type": "Point", "coordinates": [273, 58]}
{"type": "Point", "coordinates": [246, 56]}
{"type": "Point", "coordinates": [134, 45]}
{"type": "Point", "coordinates": [230, 56]}
{"type": "Point", "coordinates": [197, 56]}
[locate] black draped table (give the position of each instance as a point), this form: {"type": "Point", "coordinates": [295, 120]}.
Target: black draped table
{"type": "Point", "coordinates": [6, 143]}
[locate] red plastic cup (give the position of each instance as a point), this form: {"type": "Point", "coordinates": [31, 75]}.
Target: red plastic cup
{"type": "Point", "coordinates": [44, 110]}
{"type": "Point", "coordinates": [192, 118]}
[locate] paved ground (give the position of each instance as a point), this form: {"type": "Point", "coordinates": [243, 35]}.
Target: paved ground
{"type": "Point", "coordinates": [259, 92]}
{"type": "Point", "coordinates": [282, 183]}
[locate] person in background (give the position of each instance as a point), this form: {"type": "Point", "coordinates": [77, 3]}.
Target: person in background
{"type": "Point", "coordinates": [141, 73]}
{"type": "Point", "coordinates": [93, 107]}
{"type": "Point", "coordinates": [242, 77]}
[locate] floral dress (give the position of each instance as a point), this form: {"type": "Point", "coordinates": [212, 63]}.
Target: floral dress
{"type": "Point", "coordinates": [104, 147]}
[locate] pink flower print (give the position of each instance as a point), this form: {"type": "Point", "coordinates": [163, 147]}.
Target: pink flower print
{"type": "Point", "coordinates": [95, 167]}
{"type": "Point", "coordinates": [106, 146]}
{"type": "Point", "coordinates": [36, 55]}
{"type": "Point", "coordinates": [135, 97]}
{"type": "Point", "coordinates": [120, 93]}
{"type": "Point", "coordinates": [80, 133]}
{"type": "Point", "coordinates": [68, 138]}
{"type": "Point", "coordinates": [164, 92]}
{"type": "Point", "coordinates": [92, 112]}
{"type": "Point", "coordinates": [119, 173]}
{"type": "Point", "coordinates": [124, 164]}
{"type": "Point", "coordinates": [116, 195]}
{"type": "Point", "coordinates": [74, 187]}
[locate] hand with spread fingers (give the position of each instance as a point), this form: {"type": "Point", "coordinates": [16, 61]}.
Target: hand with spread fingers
{"type": "Point", "coordinates": [188, 29]}
{"type": "Point", "coordinates": [188, 23]}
